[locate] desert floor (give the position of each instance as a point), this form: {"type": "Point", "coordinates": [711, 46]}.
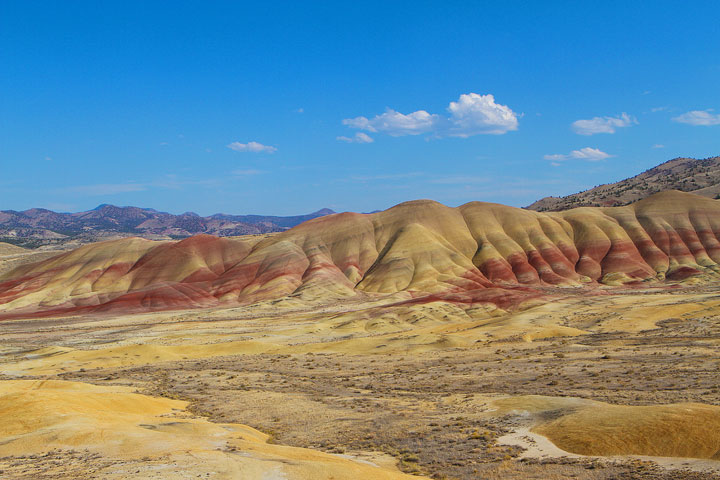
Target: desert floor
{"type": "Point", "coordinates": [600, 384]}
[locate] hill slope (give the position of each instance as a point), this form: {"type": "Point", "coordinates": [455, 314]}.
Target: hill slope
{"type": "Point", "coordinates": [701, 177]}
{"type": "Point", "coordinates": [422, 250]}
{"type": "Point", "coordinates": [8, 249]}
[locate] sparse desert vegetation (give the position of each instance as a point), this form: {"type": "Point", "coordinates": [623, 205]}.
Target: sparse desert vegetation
{"type": "Point", "coordinates": [246, 240]}
{"type": "Point", "coordinates": [442, 410]}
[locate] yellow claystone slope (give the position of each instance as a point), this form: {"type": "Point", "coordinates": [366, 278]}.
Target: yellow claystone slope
{"type": "Point", "coordinates": [39, 416]}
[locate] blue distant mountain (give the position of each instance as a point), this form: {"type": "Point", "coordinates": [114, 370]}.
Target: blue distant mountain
{"type": "Point", "coordinates": [39, 226]}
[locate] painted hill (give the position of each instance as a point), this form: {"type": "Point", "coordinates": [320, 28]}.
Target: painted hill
{"type": "Point", "coordinates": [418, 251]}
{"type": "Point", "coordinates": [9, 249]}
{"type": "Point", "coordinates": [38, 226]}
{"type": "Point", "coordinates": [701, 177]}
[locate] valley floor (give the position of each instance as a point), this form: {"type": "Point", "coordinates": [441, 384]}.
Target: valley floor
{"type": "Point", "coordinates": [443, 391]}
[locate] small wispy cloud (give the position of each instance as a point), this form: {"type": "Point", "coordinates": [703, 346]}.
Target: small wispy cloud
{"type": "Point", "coordinates": [359, 137]}
{"type": "Point", "coordinates": [658, 145]}
{"type": "Point", "coordinates": [587, 153]}
{"type": "Point", "coordinates": [388, 176]}
{"type": "Point", "coordinates": [247, 172]}
{"type": "Point", "coordinates": [704, 118]}
{"type": "Point", "coordinates": [603, 124]}
{"type": "Point", "coordinates": [169, 181]}
{"type": "Point", "coordinates": [254, 147]}
{"type": "Point", "coordinates": [459, 180]}
{"type": "Point", "coordinates": [106, 188]}
{"type": "Point", "coordinates": [472, 114]}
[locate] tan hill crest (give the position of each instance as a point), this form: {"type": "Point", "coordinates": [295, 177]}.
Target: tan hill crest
{"type": "Point", "coordinates": [701, 177]}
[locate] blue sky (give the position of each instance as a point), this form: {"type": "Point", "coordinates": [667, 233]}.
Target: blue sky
{"type": "Point", "coordinates": [285, 108]}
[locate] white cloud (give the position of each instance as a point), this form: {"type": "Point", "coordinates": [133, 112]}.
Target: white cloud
{"type": "Point", "coordinates": [602, 124]}
{"type": "Point", "coordinates": [587, 153]}
{"type": "Point", "coordinates": [254, 147]}
{"type": "Point", "coordinates": [475, 114]}
{"type": "Point", "coordinates": [395, 123]}
{"type": "Point", "coordinates": [472, 114]}
{"type": "Point", "coordinates": [699, 117]}
{"type": "Point", "coordinates": [359, 137]}
{"type": "Point", "coordinates": [658, 145]}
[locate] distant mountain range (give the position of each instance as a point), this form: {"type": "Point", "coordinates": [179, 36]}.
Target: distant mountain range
{"type": "Point", "coordinates": [701, 177]}
{"type": "Point", "coordinates": [38, 226]}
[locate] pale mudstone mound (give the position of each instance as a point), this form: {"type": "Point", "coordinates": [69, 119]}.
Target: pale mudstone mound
{"type": "Point", "coordinates": [585, 427]}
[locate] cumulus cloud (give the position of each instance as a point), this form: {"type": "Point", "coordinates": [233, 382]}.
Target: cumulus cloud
{"type": "Point", "coordinates": [395, 123]}
{"type": "Point", "coordinates": [254, 147]}
{"type": "Point", "coordinates": [587, 153]}
{"type": "Point", "coordinates": [603, 124]}
{"type": "Point", "coordinates": [699, 117]}
{"type": "Point", "coordinates": [475, 114]}
{"type": "Point", "coordinates": [359, 137]}
{"type": "Point", "coordinates": [472, 114]}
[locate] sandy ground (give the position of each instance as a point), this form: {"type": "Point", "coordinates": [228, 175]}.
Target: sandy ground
{"type": "Point", "coordinates": [418, 383]}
